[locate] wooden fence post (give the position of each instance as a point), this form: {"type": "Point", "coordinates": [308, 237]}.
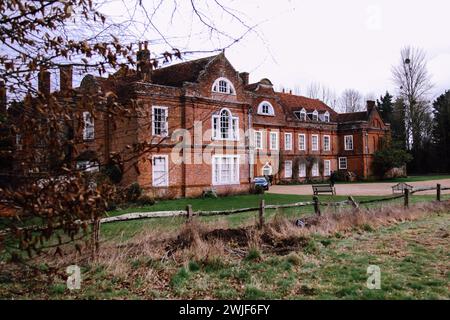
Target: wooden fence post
{"type": "Point", "coordinates": [261, 213]}
{"type": "Point", "coordinates": [406, 204]}
{"type": "Point", "coordinates": [316, 205]}
{"type": "Point", "coordinates": [353, 202]}
{"type": "Point", "coordinates": [438, 192]}
{"type": "Point", "coordinates": [95, 237]}
{"type": "Point", "coordinates": [189, 213]}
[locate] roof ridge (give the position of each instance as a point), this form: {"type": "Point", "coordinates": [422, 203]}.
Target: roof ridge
{"type": "Point", "coordinates": [186, 62]}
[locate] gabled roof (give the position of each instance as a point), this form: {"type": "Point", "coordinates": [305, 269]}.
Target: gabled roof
{"type": "Point", "coordinates": [293, 103]}
{"type": "Point", "coordinates": [175, 75]}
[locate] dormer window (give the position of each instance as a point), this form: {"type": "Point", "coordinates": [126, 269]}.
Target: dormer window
{"type": "Point", "coordinates": [315, 116]}
{"type": "Point", "coordinates": [326, 117]}
{"type": "Point", "coordinates": [301, 115]}
{"type": "Point", "coordinates": [265, 108]}
{"type": "Point", "coordinates": [223, 85]}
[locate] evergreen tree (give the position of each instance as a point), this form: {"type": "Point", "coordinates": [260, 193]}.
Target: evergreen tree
{"type": "Point", "coordinates": [441, 129]}
{"type": "Point", "coordinates": [398, 128]}
{"type": "Point", "coordinates": [386, 107]}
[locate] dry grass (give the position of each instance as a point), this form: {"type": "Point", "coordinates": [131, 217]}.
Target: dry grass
{"type": "Point", "coordinates": [199, 241]}
{"type": "Point", "coordinates": [209, 244]}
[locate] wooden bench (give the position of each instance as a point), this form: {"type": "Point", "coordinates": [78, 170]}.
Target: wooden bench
{"type": "Point", "coordinates": [400, 188]}
{"type": "Point", "coordinates": [323, 188]}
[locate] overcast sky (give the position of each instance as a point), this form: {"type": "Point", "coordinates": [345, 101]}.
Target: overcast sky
{"type": "Point", "coordinates": [341, 44]}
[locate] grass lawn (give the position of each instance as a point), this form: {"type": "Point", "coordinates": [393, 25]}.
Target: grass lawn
{"type": "Point", "coordinates": [130, 228]}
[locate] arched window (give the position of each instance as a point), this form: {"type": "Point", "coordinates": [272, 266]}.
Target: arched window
{"type": "Point", "coordinates": [267, 170]}
{"type": "Point", "coordinates": [225, 126]}
{"type": "Point", "coordinates": [223, 85]}
{"type": "Point", "coordinates": [315, 115]}
{"type": "Point", "coordinates": [266, 108]}
{"type": "Point", "coordinates": [326, 117]}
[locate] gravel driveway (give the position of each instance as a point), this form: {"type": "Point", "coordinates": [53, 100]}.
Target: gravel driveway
{"type": "Point", "coordinates": [361, 189]}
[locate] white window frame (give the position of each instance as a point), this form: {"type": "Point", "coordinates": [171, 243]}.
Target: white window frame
{"type": "Point", "coordinates": [300, 140]}
{"type": "Point", "coordinates": [165, 123]}
{"type": "Point", "coordinates": [326, 117]}
{"type": "Point", "coordinates": [88, 126]}
{"type": "Point", "coordinates": [340, 164]}
{"type": "Point", "coordinates": [270, 109]}
{"type": "Point", "coordinates": [326, 172]}
{"type": "Point", "coordinates": [277, 143]}
{"type": "Point", "coordinates": [229, 88]}
{"type": "Point", "coordinates": [260, 145]}
{"type": "Point", "coordinates": [326, 147]}
{"type": "Point", "coordinates": [302, 170]}
{"type": "Point", "coordinates": [233, 126]}
{"type": "Point", "coordinates": [286, 175]}
{"type": "Point", "coordinates": [348, 139]}
{"type": "Point", "coordinates": [217, 170]}
{"type": "Point", "coordinates": [267, 166]}
{"type": "Point", "coordinates": [315, 169]}
{"type": "Point", "coordinates": [315, 116]}
{"type": "Point", "coordinates": [286, 146]}
{"type": "Point", "coordinates": [316, 148]}
{"type": "Point", "coordinates": [155, 183]}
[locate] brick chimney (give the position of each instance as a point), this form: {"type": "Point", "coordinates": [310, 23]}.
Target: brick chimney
{"type": "Point", "coordinates": [144, 68]}
{"type": "Point", "coordinates": [65, 78]}
{"type": "Point", "coordinates": [44, 82]}
{"type": "Point", "coordinates": [370, 106]}
{"type": "Point", "coordinates": [244, 76]}
{"type": "Point", "coordinates": [2, 97]}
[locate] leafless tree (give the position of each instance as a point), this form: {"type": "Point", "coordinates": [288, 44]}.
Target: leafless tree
{"type": "Point", "coordinates": [40, 36]}
{"type": "Point", "coordinates": [351, 100]}
{"type": "Point", "coordinates": [322, 92]}
{"type": "Point", "coordinates": [414, 85]}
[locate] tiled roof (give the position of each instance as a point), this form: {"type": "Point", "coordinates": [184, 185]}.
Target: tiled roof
{"type": "Point", "coordinates": [176, 74]}
{"type": "Point", "coordinates": [295, 103]}
{"type": "Point", "coordinates": [352, 116]}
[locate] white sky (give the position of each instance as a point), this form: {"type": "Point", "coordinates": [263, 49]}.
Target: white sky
{"type": "Point", "coordinates": [341, 44]}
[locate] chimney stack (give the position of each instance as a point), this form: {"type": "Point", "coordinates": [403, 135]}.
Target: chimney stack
{"type": "Point", "coordinates": [2, 97]}
{"type": "Point", "coordinates": [244, 76]}
{"type": "Point", "coordinates": [144, 67]}
{"type": "Point", "coordinates": [370, 106]}
{"type": "Point", "coordinates": [65, 78]}
{"type": "Point", "coordinates": [44, 82]}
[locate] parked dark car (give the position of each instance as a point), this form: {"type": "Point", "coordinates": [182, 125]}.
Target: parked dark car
{"type": "Point", "coordinates": [262, 182]}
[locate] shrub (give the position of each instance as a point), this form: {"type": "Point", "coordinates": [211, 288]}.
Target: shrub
{"type": "Point", "coordinates": [145, 200]}
{"type": "Point", "coordinates": [388, 158]}
{"type": "Point", "coordinates": [133, 192]}
{"type": "Point", "coordinates": [210, 194]}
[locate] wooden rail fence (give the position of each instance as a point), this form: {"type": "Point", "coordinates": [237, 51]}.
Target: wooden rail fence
{"type": "Point", "coordinates": [189, 213]}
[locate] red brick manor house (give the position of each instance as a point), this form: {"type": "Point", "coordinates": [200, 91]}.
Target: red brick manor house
{"type": "Point", "coordinates": [212, 129]}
